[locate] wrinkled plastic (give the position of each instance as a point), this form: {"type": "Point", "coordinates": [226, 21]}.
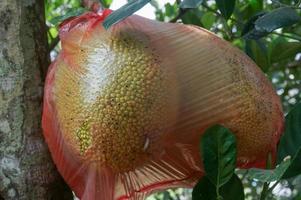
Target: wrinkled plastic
{"type": "Point", "coordinates": [125, 108]}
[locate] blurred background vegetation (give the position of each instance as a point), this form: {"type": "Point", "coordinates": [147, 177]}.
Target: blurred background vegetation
{"type": "Point", "coordinates": [278, 54]}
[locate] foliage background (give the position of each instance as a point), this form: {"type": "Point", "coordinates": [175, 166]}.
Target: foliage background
{"type": "Point", "coordinates": [278, 55]}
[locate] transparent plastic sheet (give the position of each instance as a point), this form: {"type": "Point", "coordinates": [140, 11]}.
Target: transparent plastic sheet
{"type": "Point", "coordinates": [125, 108]}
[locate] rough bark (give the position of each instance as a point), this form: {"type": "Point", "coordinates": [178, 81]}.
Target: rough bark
{"type": "Point", "coordinates": [26, 169]}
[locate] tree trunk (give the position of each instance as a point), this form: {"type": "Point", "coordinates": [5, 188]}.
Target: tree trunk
{"type": "Point", "coordinates": [26, 168]}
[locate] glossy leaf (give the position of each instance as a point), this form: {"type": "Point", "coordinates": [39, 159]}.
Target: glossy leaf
{"type": "Point", "coordinates": [226, 7]}
{"type": "Point", "coordinates": [190, 4]}
{"type": "Point", "coordinates": [71, 13]}
{"type": "Point", "coordinates": [278, 18]}
{"type": "Point", "coordinates": [205, 190]}
{"type": "Point", "coordinates": [218, 150]}
{"type": "Point", "coordinates": [124, 12]}
{"type": "Point", "coordinates": [249, 31]}
{"type": "Point", "coordinates": [270, 175]}
{"type": "Point", "coordinates": [290, 142]}
{"type": "Point", "coordinates": [263, 23]}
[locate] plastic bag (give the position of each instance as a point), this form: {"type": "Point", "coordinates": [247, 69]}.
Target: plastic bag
{"type": "Point", "coordinates": [125, 108]}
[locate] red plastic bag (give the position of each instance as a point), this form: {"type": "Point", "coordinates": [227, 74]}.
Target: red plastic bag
{"type": "Point", "coordinates": [125, 108]}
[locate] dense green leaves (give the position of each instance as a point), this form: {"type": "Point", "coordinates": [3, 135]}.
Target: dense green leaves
{"type": "Point", "coordinates": [263, 23]}
{"type": "Point", "coordinates": [205, 190]}
{"type": "Point", "coordinates": [270, 175]}
{"type": "Point", "coordinates": [190, 3]}
{"type": "Point", "coordinates": [290, 142]}
{"type": "Point", "coordinates": [218, 150]}
{"type": "Point", "coordinates": [71, 13]}
{"type": "Point", "coordinates": [226, 7]}
{"type": "Point", "coordinates": [123, 12]}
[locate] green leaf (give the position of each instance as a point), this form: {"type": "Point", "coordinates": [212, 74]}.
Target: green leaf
{"type": "Point", "coordinates": [226, 7]}
{"type": "Point", "coordinates": [124, 12]}
{"type": "Point", "coordinates": [265, 175]}
{"type": "Point", "coordinates": [70, 13]}
{"type": "Point", "coordinates": [190, 4]}
{"type": "Point", "coordinates": [205, 190]}
{"type": "Point", "coordinates": [191, 17]}
{"type": "Point", "coordinates": [290, 142]}
{"type": "Point", "coordinates": [208, 20]}
{"type": "Point", "coordinates": [285, 50]}
{"type": "Point", "coordinates": [278, 18]}
{"type": "Point", "coordinates": [249, 31]}
{"type": "Point", "coordinates": [263, 23]}
{"type": "Point", "coordinates": [218, 150]}
{"type": "Point", "coordinates": [257, 50]}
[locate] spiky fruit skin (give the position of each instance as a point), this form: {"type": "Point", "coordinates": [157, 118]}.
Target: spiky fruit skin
{"type": "Point", "coordinates": [124, 109]}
